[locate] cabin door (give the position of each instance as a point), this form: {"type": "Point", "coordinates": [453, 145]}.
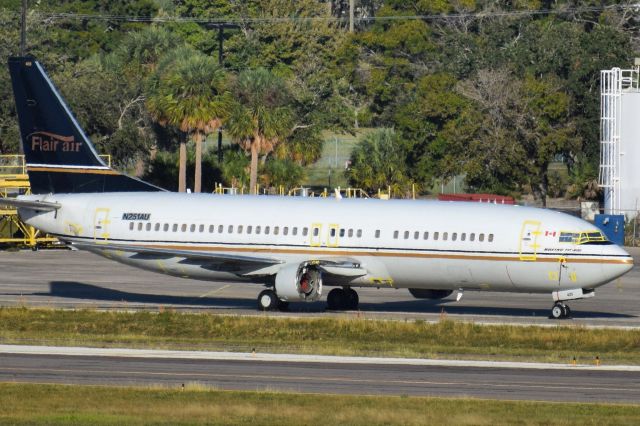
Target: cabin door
{"type": "Point", "coordinates": [528, 247]}
{"type": "Point", "coordinates": [101, 225]}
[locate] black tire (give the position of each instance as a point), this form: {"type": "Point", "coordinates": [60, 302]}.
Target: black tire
{"type": "Point", "coordinates": [352, 299]}
{"type": "Point", "coordinates": [558, 312]}
{"type": "Point", "coordinates": [567, 311]}
{"type": "Point", "coordinates": [268, 300]}
{"type": "Point", "coordinates": [336, 299]}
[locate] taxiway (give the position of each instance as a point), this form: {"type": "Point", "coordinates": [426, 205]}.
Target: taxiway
{"type": "Point", "coordinates": [74, 279]}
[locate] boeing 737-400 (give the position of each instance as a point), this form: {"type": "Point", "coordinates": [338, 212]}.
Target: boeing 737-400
{"type": "Point", "coordinates": [295, 246]}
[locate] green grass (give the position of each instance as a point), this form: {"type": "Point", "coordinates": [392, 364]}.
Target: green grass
{"type": "Point", "coordinates": [357, 336]}
{"type": "Point", "coordinates": [60, 404]}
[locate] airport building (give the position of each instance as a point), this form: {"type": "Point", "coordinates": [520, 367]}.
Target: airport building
{"type": "Point", "coordinates": [619, 174]}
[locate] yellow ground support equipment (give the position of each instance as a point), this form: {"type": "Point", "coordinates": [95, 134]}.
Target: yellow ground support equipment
{"type": "Point", "coordinates": [14, 181]}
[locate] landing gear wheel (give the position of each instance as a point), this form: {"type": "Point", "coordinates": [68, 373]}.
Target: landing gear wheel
{"type": "Point", "coordinates": [352, 299]}
{"type": "Point", "coordinates": [560, 311]}
{"type": "Point", "coordinates": [336, 299]}
{"type": "Point", "coordinates": [268, 300]}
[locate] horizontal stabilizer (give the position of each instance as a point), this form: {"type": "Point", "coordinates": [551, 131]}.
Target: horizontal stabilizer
{"type": "Point", "coordinates": [41, 206]}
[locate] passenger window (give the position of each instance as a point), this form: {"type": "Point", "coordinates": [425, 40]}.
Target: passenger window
{"type": "Point", "coordinates": [472, 237]}
{"type": "Point", "coordinates": [148, 226]}
{"type": "Point", "coordinates": [463, 236]}
{"type": "Point", "coordinates": [406, 234]}
{"type": "Point", "coordinates": [156, 227]}
{"type": "Point", "coordinates": [175, 227]}
{"type": "Point", "coordinates": [139, 226]}
{"type": "Point", "coordinates": [249, 229]}
{"type": "Point", "coordinates": [305, 231]}
{"type": "Point", "coordinates": [425, 236]}
{"type": "Point", "coordinates": [395, 235]}
{"type": "Point", "coordinates": [435, 235]}
{"type": "Point", "coordinates": [294, 231]}
{"type": "Point", "coordinates": [416, 235]}
{"type": "Point", "coordinates": [212, 228]}
{"type": "Point", "coordinates": [267, 229]}
{"type": "Point", "coordinates": [285, 231]}
{"type": "Point", "coordinates": [240, 227]}
{"type": "Point", "coordinates": [333, 232]}
{"type": "Point", "coordinates": [490, 238]}
{"type": "Point", "coordinates": [184, 227]}
{"type": "Point", "coordinates": [201, 228]}
{"type": "Point", "coordinates": [276, 230]}
{"type": "Point", "coordinates": [481, 237]}
{"type": "Point", "coordinates": [220, 229]}
{"type": "Point", "coordinates": [445, 235]}
{"type": "Point", "coordinates": [350, 234]}
{"type": "Point", "coordinates": [131, 225]}
{"type": "Point", "coordinates": [316, 232]}
{"type": "Point", "coordinates": [230, 229]}
{"type": "Point", "coordinates": [454, 236]}
{"type": "Point", "coordinates": [377, 233]}
{"type": "Point", "coordinates": [341, 232]}
{"type": "Point", "coordinates": [359, 233]}
{"type": "Point", "coordinates": [258, 229]}
{"type": "Point", "coordinates": [166, 227]}
{"type": "Point", "coordinates": [193, 227]}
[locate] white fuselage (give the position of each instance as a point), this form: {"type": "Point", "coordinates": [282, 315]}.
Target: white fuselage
{"type": "Point", "coordinates": [400, 243]}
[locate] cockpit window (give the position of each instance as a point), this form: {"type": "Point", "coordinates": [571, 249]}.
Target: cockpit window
{"type": "Point", "coordinates": [590, 237]}
{"type": "Point", "coordinates": [593, 237]}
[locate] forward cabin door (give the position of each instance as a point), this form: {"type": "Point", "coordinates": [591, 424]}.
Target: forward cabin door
{"type": "Point", "coordinates": [101, 224]}
{"type": "Point", "coordinates": [528, 246]}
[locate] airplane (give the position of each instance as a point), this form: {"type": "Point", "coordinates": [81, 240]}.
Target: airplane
{"type": "Point", "coordinates": [295, 247]}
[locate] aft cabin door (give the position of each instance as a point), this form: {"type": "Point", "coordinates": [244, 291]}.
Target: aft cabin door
{"type": "Point", "coordinates": [528, 247]}
{"type": "Point", "coordinates": [101, 225]}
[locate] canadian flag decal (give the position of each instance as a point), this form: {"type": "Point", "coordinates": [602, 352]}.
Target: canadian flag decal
{"type": "Point", "coordinates": [549, 233]}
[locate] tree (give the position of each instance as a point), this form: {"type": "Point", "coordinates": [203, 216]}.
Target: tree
{"type": "Point", "coordinates": [260, 117]}
{"type": "Point", "coordinates": [378, 162]}
{"type": "Point", "coordinates": [521, 126]}
{"type": "Point", "coordinates": [191, 95]}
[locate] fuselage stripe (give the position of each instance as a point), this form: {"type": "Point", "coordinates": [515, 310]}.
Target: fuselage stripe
{"type": "Point", "coordinates": [324, 251]}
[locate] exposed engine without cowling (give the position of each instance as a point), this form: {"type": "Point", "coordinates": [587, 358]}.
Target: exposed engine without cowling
{"type": "Point", "coordinates": [299, 283]}
{"type": "Point", "coordinates": [423, 293]}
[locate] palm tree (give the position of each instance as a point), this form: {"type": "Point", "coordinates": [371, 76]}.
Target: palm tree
{"type": "Point", "coordinates": [189, 92]}
{"type": "Point", "coordinates": [259, 118]}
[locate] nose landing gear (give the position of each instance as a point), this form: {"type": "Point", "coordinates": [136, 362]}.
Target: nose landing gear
{"type": "Point", "coordinates": [560, 311]}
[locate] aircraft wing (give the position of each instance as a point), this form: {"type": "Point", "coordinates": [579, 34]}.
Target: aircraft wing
{"type": "Point", "coordinates": [208, 260]}
{"type": "Point", "coordinates": [42, 206]}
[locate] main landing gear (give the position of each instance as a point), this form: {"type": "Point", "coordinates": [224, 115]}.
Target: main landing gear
{"type": "Point", "coordinates": [268, 301]}
{"type": "Point", "coordinates": [560, 311]}
{"type": "Point", "coordinates": [340, 299]}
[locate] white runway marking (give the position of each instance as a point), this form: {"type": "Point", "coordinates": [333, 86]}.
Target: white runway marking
{"type": "Point", "coordinates": [245, 356]}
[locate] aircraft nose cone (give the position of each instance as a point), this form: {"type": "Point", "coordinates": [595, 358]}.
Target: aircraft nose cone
{"type": "Point", "coordinates": [622, 261]}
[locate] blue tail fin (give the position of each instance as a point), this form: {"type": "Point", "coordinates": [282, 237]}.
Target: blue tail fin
{"type": "Point", "coordinates": [60, 157]}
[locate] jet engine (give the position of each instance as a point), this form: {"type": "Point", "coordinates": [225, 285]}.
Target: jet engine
{"type": "Point", "coordinates": [299, 282]}
{"type": "Point", "coordinates": [422, 293]}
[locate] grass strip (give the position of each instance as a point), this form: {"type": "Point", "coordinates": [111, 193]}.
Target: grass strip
{"type": "Point", "coordinates": [65, 404]}
{"type": "Point", "coordinates": [330, 336]}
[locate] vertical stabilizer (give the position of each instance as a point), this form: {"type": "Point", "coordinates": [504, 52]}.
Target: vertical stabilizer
{"type": "Point", "coordinates": [60, 157]}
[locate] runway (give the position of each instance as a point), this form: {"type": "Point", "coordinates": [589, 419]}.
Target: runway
{"type": "Point", "coordinates": [335, 375]}
{"type": "Point", "coordinates": [74, 279]}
